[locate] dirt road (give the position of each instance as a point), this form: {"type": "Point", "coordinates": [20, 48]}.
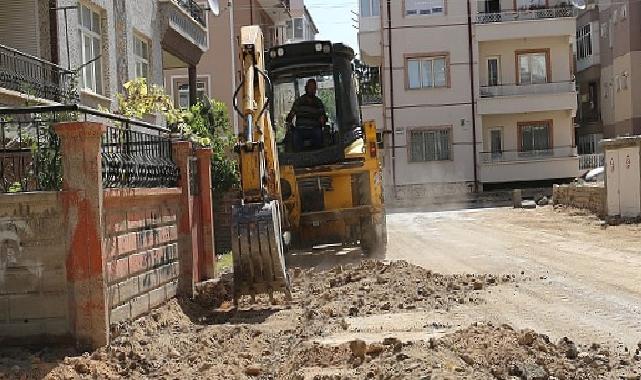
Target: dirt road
{"type": "Point", "coordinates": [586, 280]}
{"type": "Point", "coordinates": [488, 294]}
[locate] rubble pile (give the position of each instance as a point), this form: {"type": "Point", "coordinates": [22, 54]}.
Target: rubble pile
{"type": "Point", "coordinates": [375, 287]}
{"type": "Point", "coordinates": [204, 339]}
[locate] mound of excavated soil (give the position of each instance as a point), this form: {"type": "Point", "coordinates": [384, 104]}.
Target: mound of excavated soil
{"type": "Point", "coordinates": [203, 339]}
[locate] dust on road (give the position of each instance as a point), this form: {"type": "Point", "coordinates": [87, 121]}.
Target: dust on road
{"type": "Point", "coordinates": [586, 276]}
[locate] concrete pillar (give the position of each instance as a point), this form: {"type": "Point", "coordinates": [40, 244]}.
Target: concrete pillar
{"type": "Point", "coordinates": [207, 252]}
{"type": "Point", "coordinates": [193, 85]}
{"type": "Point", "coordinates": [187, 246]}
{"type": "Point", "coordinates": [83, 207]}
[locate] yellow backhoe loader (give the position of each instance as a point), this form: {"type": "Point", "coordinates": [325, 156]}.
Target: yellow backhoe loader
{"type": "Point", "coordinates": [311, 192]}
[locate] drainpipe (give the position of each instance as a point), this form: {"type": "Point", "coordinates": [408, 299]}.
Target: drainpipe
{"type": "Point", "coordinates": [391, 92]}
{"type": "Point", "coordinates": [251, 12]}
{"type": "Point", "coordinates": [472, 94]}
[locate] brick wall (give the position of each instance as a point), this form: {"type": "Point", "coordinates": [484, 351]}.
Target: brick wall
{"type": "Point", "coordinates": [222, 217]}
{"type": "Point", "coordinates": [141, 238]}
{"type": "Point", "coordinates": [33, 283]}
{"type": "Point", "coordinates": [75, 262]}
{"type": "Point", "coordinates": [592, 198]}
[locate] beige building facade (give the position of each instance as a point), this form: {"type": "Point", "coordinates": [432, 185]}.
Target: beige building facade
{"type": "Point", "coordinates": [107, 42]}
{"type": "Point", "coordinates": [472, 103]}
{"type": "Point", "coordinates": [218, 75]}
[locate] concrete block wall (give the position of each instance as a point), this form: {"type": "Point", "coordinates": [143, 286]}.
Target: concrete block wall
{"type": "Point", "coordinates": [142, 255]}
{"type": "Point", "coordinates": [33, 276]}
{"type": "Point", "coordinates": [591, 198]}
{"type": "Point", "coordinates": [428, 194]}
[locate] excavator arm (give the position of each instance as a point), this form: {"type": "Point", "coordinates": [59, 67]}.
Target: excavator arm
{"type": "Point", "coordinates": [257, 238]}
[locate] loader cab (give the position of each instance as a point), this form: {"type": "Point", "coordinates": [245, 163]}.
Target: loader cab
{"type": "Point", "coordinates": [290, 67]}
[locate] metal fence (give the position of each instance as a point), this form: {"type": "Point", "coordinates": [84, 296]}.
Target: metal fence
{"type": "Point", "coordinates": [134, 153]}
{"type": "Point", "coordinates": [591, 161]}
{"type": "Point", "coordinates": [526, 14]}
{"type": "Point", "coordinates": [528, 89]}
{"type": "Point", "coordinates": [531, 155]}
{"type": "Point", "coordinates": [196, 11]}
{"type": "Point", "coordinates": [35, 77]}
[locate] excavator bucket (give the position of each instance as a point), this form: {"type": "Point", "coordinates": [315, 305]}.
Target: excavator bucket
{"type": "Point", "coordinates": [258, 251]}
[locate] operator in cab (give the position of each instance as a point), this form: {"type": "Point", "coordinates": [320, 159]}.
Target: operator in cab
{"type": "Point", "coordinates": [311, 117]}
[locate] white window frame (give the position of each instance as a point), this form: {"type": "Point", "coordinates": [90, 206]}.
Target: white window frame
{"type": "Point", "coordinates": [374, 8]}
{"type": "Point", "coordinates": [498, 68]}
{"type": "Point", "coordinates": [424, 8]}
{"type": "Point", "coordinates": [584, 48]}
{"type": "Point", "coordinates": [530, 55]}
{"type": "Point", "coordinates": [422, 62]}
{"type": "Point", "coordinates": [91, 75]}
{"type": "Point", "coordinates": [183, 92]}
{"type": "Point", "coordinates": [439, 154]}
{"type": "Point", "coordinates": [140, 60]}
{"type": "Point", "coordinates": [295, 29]}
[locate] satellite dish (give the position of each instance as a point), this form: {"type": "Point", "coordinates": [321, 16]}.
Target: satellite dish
{"type": "Point", "coordinates": [214, 7]}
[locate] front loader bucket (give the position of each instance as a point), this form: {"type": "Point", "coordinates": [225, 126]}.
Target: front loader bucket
{"type": "Point", "coordinates": [258, 251]}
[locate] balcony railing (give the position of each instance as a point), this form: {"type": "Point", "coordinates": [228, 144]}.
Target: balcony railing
{"type": "Point", "coordinates": [371, 98]}
{"type": "Point", "coordinates": [526, 14]}
{"type": "Point", "coordinates": [528, 89]}
{"type": "Point", "coordinates": [35, 77]}
{"type": "Point", "coordinates": [134, 153]}
{"type": "Point", "coordinates": [196, 11]}
{"type": "Point", "coordinates": [524, 156]}
{"type": "Point", "coordinates": [591, 161]}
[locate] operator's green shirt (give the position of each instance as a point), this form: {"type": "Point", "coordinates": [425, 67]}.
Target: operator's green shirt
{"type": "Point", "coordinates": [309, 110]}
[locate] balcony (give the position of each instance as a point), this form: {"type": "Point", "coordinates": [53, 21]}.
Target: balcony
{"type": "Point", "coordinates": [184, 29]}
{"type": "Point", "coordinates": [524, 23]}
{"type": "Point", "coordinates": [532, 155]}
{"type": "Point", "coordinates": [515, 166]}
{"type": "Point", "coordinates": [369, 40]}
{"type": "Point", "coordinates": [195, 11]}
{"type": "Point", "coordinates": [527, 98]}
{"type": "Point", "coordinates": [32, 77]}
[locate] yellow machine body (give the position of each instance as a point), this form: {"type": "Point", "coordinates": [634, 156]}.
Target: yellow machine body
{"type": "Point", "coordinates": [352, 198]}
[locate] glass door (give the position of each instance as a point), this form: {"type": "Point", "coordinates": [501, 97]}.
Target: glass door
{"type": "Point", "coordinates": [496, 141]}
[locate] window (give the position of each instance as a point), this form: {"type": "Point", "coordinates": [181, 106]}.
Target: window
{"type": "Point", "coordinates": [583, 42]}
{"type": "Point", "coordinates": [530, 4]}
{"type": "Point", "coordinates": [535, 136]}
{"type": "Point", "coordinates": [430, 145]}
{"type": "Point", "coordinates": [493, 71]}
{"type": "Point", "coordinates": [592, 99]}
{"type": "Point", "coordinates": [141, 57]}
{"type": "Point", "coordinates": [90, 49]}
{"type": "Point", "coordinates": [298, 27]}
{"type": "Point", "coordinates": [496, 141]}
{"type": "Point", "coordinates": [424, 7]}
{"type": "Point", "coordinates": [183, 93]}
{"type": "Point", "coordinates": [533, 67]}
{"type": "Point", "coordinates": [370, 8]}
{"type": "Point", "coordinates": [427, 72]}
{"type": "Point", "coordinates": [290, 30]}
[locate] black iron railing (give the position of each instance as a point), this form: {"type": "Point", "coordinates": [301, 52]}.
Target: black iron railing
{"type": "Point", "coordinates": [35, 77]}
{"type": "Point", "coordinates": [134, 153]}
{"type": "Point", "coordinates": [196, 11]}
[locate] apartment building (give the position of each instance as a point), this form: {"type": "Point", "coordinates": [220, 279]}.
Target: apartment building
{"type": "Point", "coordinates": [620, 59]}
{"type": "Point", "coordinates": [217, 72]}
{"type": "Point", "coordinates": [301, 27]}
{"type": "Point", "coordinates": [589, 125]}
{"type": "Point", "coordinates": [476, 95]}
{"type": "Point", "coordinates": [105, 42]}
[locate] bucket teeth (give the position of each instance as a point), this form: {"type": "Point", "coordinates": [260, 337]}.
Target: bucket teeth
{"type": "Point", "coordinates": [258, 251]}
